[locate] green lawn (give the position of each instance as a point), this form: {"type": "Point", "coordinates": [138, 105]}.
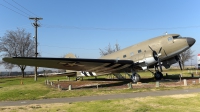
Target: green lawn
{"type": "Point", "coordinates": [11, 88]}
{"type": "Point", "coordinates": [172, 103]}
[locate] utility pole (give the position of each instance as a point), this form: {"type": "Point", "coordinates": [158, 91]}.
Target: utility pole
{"type": "Point", "coordinates": [36, 53]}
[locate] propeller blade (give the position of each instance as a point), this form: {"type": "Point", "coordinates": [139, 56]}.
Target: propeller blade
{"type": "Point", "coordinates": [151, 48]}
{"type": "Point", "coordinates": [165, 53]}
{"type": "Point", "coordinates": [180, 65]}
{"type": "Point", "coordinates": [160, 65]}
{"type": "Point", "coordinates": [160, 49]}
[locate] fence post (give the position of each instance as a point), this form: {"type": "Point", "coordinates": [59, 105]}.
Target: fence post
{"type": "Point", "coordinates": [58, 86]}
{"type": "Point", "coordinates": [180, 76]}
{"type": "Point", "coordinates": [185, 82]}
{"type": "Point", "coordinates": [97, 86]}
{"type": "Point", "coordinates": [130, 85]}
{"type": "Point", "coordinates": [70, 87]}
{"type": "Point", "coordinates": [47, 82]}
{"type": "Point", "coordinates": [157, 84]}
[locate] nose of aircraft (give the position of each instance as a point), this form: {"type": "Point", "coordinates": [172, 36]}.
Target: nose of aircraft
{"type": "Point", "coordinates": [191, 41]}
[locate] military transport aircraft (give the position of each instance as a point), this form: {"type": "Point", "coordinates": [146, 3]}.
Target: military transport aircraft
{"type": "Point", "coordinates": [153, 53]}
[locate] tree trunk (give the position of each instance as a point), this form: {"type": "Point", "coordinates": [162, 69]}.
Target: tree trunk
{"type": "Point", "coordinates": [183, 66]}
{"type": "Point", "coordinates": [23, 74]}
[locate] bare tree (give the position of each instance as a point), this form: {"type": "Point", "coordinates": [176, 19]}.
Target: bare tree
{"type": "Point", "coordinates": [185, 56]}
{"type": "Point", "coordinates": [117, 47]}
{"type": "Point", "coordinates": [109, 49]}
{"type": "Point", "coordinates": [17, 44]}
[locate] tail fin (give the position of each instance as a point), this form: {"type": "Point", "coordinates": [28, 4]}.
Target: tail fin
{"type": "Point", "coordinates": [70, 55]}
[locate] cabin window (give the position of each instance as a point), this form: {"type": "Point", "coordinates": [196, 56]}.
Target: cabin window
{"type": "Point", "coordinates": [178, 36]}
{"type": "Point", "coordinates": [131, 54]}
{"type": "Point", "coordinates": [124, 56]}
{"type": "Point", "coordinates": [139, 51]}
{"type": "Point", "coordinates": [170, 39]}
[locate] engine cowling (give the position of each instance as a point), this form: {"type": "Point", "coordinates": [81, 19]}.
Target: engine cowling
{"type": "Point", "coordinates": [167, 63]}
{"type": "Point", "coordinates": [146, 59]}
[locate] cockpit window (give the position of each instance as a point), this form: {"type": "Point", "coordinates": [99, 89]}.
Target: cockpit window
{"type": "Point", "coordinates": [178, 36]}
{"type": "Point", "coordinates": [170, 39]}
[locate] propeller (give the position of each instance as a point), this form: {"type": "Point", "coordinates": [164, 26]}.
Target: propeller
{"type": "Point", "coordinates": [160, 64]}
{"type": "Point", "coordinates": [156, 57]}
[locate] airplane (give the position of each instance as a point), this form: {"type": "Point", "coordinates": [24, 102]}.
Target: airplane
{"type": "Point", "coordinates": [156, 52]}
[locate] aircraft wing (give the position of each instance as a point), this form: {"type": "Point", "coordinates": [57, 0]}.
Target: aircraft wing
{"type": "Point", "coordinates": [78, 64]}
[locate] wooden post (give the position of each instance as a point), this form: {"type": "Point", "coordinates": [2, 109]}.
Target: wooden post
{"type": "Point", "coordinates": [185, 82]}
{"type": "Point", "coordinates": [22, 82]}
{"type": "Point", "coordinates": [58, 86]}
{"type": "Point", "coordinates": [180, 76]}
{"type": "Point", "coordinates": [51, 83]}
{"type": "Point", "coordinates": [130, 86]}
{"type": "Point", "coordinates": [157, 84]}
{"type": "Point", "coordinates": [47, 82]}
{"type": "Point", "coordinates": [70, 87]}
{"type": "Point", "coordinates": [97, 86]}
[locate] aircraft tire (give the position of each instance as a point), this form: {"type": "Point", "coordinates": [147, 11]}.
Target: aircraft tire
{"type": "Point", "coordinates": [158, 75]}
{"type": "Point", "coordinates": [135, 78]}
{"type": "Point", "coordinates": [78, 78]}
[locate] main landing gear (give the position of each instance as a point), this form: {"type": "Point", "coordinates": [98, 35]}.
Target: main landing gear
{"type": "Point", "coordinates": [158, 75]}
{"type": "Point", "coordinates": [135, 77]}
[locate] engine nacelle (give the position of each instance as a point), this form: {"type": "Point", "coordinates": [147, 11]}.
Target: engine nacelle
{"type": "Point", "coordinates": [169, 62]}
{"type": "Point", "coordinates": [144, 63]}
{"type": "Point", "coordinates": [146, 58]}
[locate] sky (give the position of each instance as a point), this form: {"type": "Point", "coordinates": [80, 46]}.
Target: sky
{"type": "Point", "coordinates": [83, 26]}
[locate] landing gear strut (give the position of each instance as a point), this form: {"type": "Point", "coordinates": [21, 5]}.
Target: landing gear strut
{"type": "Point", "coordinates": [135, 77]}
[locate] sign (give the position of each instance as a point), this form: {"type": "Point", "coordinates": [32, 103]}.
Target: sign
{"type": "Point", "coordinates": [198, 59]}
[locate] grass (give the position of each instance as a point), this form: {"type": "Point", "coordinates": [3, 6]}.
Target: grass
{"type": "Point", "coordinates": [11, 89]}
{"type": "Point", "coordinates": [173, 103]}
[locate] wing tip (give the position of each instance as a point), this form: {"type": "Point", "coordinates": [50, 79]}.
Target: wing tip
{"type": "Point", "coordinates": [6, 59]}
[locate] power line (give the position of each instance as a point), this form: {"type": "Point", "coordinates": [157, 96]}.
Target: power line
{"type": "Point", "coordinates": [68, 47]}
{"type": "Point", "coordinates": [24, 8]}
{"type": "Point", "coordinates": [16, 7]}
{"type": "Point", "coordinates": [14, 11]}
{"type": "Point", "coordinates": [115, 29]}
{"type": "Point", "coordinates": [48, 53]}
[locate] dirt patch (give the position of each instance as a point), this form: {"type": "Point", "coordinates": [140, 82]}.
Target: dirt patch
{"type": "Point", "coordinates": [119, 84]}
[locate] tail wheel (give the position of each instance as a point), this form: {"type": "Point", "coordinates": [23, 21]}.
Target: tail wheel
{"type": "Point", "coordinates": [135, 77]}
{"type": "Point", "coordinates": [78, 78]}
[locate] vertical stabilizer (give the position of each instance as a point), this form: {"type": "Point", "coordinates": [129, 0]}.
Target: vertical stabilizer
{"type": "Point", "coordinates": [70, 55]}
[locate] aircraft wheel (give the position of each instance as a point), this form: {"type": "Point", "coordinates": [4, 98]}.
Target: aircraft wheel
{"type": "Point", "coordinates": [135, 77]}
{"type": "Point", "coordinates": [78, 78]}
{"type": "Point", "coordinates": [158, 75]}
